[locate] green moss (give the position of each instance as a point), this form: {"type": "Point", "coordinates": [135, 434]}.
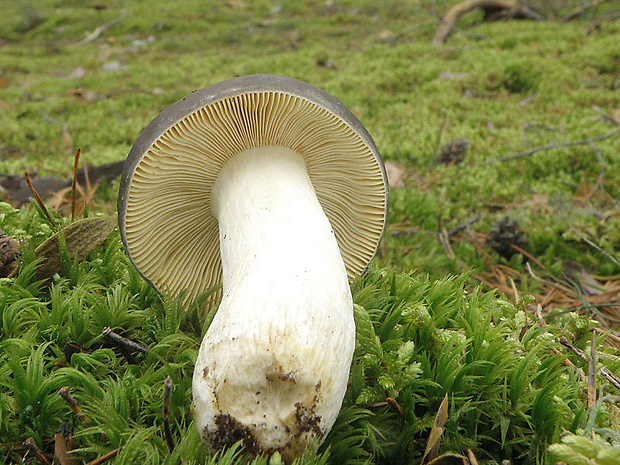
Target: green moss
{"type": "Point", "coordinates": [505, 87]}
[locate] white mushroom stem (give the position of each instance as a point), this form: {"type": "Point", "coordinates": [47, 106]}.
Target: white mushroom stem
{"type": "Point", "coordinates": [273, 366]}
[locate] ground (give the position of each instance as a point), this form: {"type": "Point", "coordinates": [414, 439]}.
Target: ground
{"type": "Point", "coordinates": [459, 126]}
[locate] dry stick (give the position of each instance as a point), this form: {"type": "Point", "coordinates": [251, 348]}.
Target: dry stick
{"type": "Point", "coordinates": [97, 32]}
{"type": "Point", "coordinates": [514, 290]}
{"type": "Point", "coordinates": [61, 449]}
{"type": "Point", "coordinates": [592, 244]}
{"type": "Point", "coordinates": [449, 20]}
{"type": "Point", "coordinates": [166, 412]}
{"type": "Point", "coordinates": [553, 145]}
{"type": "Point", "coordinates": [445, 241]}
{"type": "Point", "coordinates": [105, 458]}
{"type": "Point", "coordinates": [439, 134]}
{"type": "Point", "coordinates": [608, 375]}
{"type": "Point", "coordinates": [463, 226]}
{"type": "Point", "coordinates": [76, 159]}
{"type": "Point", "coordinates": [592, 374]}
{"type": "Point", "coordinates": [37, 197]}
{"type": "Point", "coordinates": [528, 255]}
{"type": "Point", "coordinates": [120, 340]}
{"type": "Point", "coordinates": [70, 400]}
{"type": "Point", "coordinates": [32, 447]}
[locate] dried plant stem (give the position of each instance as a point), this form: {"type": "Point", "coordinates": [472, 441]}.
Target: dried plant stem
{"type": "Point", "coordinates": [105, 458]}
{"type": "Point", "coordinates": [32, 447]}
{"type": "Point", "coordinates": [439, 134]}
{"type": "Point", "coordinates": [76, 160]}
{"type": "Point", "coordinates": [123, 342]}
{"type": "Point", "coordinates": [70, 400]}
{"type": "Point", "coordinates": [63, 446]}
{"type": "Point", "coordinates": [37, 197]}
{"type": "Point", "coordinates": [166, 412]}
{"type": "Point", "coordinates": [608, 375]}
{"type": "Point", "coordinates": [592, 374]}
{"type": "Point", "coordinates": [592, 244]}
{"type": "Point", "coordinates": [553, 145]}
{"type": "Point", "coordinates": [97, 32]}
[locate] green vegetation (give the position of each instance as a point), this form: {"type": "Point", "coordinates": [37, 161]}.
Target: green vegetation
{"type": "Point", "coordinates": [428, 322]}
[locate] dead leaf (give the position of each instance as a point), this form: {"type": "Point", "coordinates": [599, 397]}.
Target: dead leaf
{"type": "Point", "coordinates": [81, 238]}
{"type": "Point", "coordinates": [616, 116]}
{"type": "Point", "coordinates": [434, 438]}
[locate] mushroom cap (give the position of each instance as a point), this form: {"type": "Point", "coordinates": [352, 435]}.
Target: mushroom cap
{"type": "Point", "coordinates": [164, 202]}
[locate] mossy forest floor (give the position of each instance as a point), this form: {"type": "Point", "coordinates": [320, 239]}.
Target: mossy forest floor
{"type": "Point", "coordinates": [500, 261]}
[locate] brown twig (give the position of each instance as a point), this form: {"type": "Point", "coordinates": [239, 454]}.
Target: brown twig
{"type": "Point", "coordinates": [445, 241]}
{"type": "Point", "coordinates": [105, 458]}
{"type": "Point", "coordinates": [76, 160]}
{"type": "Point", "coordinates": [553, 145]}
{"type": "Point", "coordinates": [37, 197]}
{"type": "Point", "coordinates": [527, 255]}
{"type": "Point", "coordinates": [592, 374]}
{"type": "Point", "coordinates": [32, 447]}
{"type": "Point", "coordinates": [71, 402]}
{"type": "Point", "coordinates": [166, 412]}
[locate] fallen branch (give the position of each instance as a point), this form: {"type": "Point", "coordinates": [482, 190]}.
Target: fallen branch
{"type": "Point", "coordinates": [97, 32]}
{"type": "Point", "coordinates": [449, 20]}
{"type": "Point", "coordinates": [553, 145]}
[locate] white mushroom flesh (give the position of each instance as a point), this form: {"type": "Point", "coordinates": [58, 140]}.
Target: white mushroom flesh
{"type": "Point", "coordinates": [273, 366]}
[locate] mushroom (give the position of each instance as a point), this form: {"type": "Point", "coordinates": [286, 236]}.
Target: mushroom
{"type": "Point", "coordinates": [274, 189]}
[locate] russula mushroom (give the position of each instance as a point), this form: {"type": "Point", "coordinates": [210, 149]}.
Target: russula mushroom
{"type": "Point", "coordinates": [274, 189]}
